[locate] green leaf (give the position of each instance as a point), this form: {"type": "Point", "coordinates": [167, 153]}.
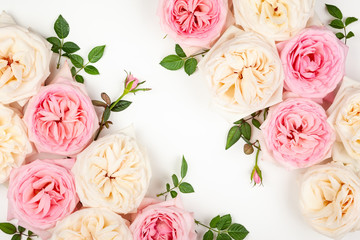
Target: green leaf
{"type": "Point", "coordinates": [246, 130]}
{"type": "Point", "coordinates": [77, 60]}
{"type": "Point", "coordinates": [91, 70]}
{"type": "Point", "coordinates": [350, 35]}
{"type": "Point", "coordinates": [184, 167]}
{"type": "Point", "coordinates": [96, 53]}
{"type": "Point", "coordinates": [225, 222]}
{"type": "Point", "coordinates": [16, 237]}
{"type": "Point", "coordinates": [79, 79]}
{"type": "Point", "coordinates": [239, 121]}
{"type": "Point", "coordinates": [214, 221]}
{"type": "Point", "coordinates": [7, 228]}
{"type": "Point", "coordinates": [185, 187]}
{"type": "Point", "coordinates": [175, 180]}
{"type": "Point", "coordinates": [121, 106]}
{"type": "Point", "coordinates": [173, 194]}
{"type": "Point", "coordinates": [172, 62]}
{"type": "Point", "coordinates": [256, 123]}
{"type": "Point", "coordinates": [55, 49]}
{"type": "Point", "coordinates": [334, 11]}
{"type": "Point", "coordinates": [61, 27]}
{"type": "Point", "coordinates": [338, 24]}
{"type": "Point", "coordinates": [340, 35]}
{"type": "Point", "coordinates": [223, 236]}
{"type": "Point", "coordinates": [30, 233]}
{"type": "Point", "coordinates": [21, 229]}
{"type": "Point", "coordinates": [179, 51]}
{"type": "Point", "coordinates": [167, 187]}
{"type": "Point", "coordinates": [73, 71]}
{"type": "Point", "coordinates": [350, 20]}
{"type": "Point", "coordinates": [106, 114]}
{"type": "Point", "coordinates": [28, 238]}
{"type": "Point", "coordinates": [233, 136]}
{"type": "Point", "coordinates": [209, 235]}
{"type": "Point", "coordinates": [190, 66]}
{"type": "Point", "coordinates": [70, 47]}
{"type": "Point", "coordinates": [238, 231]}
{"type": "Point", "coordinates": [54, 41]}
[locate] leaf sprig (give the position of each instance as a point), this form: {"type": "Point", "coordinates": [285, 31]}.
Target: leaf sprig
{"type": "Point", "coordinates": [68, 49]}
{"type": "Point", "coordinates": [243, 130]}
{"type": "Point", "coordinates": [222, 228]}
{"type": "Point", "coordinates": [340, 23]}
{"type": "Point", "coordinates": [183, 187]}
{"type": "Point", "coordinates": [175, 62]}
{"type": "Point", "coordinates": [116, 106]}
{"type": "Point", "coordinates": [16, 232]}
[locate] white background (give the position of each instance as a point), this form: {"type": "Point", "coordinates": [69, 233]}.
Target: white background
{"type": "Point", "coordinates": [175, 118]}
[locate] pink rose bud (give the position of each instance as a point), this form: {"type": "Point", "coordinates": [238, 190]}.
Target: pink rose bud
{"type": "Point", "coordinates": [256, 178]}
{"type": "Point", "coordinates": [130, 78]}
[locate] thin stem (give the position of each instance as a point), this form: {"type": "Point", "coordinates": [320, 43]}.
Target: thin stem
{"type": "Point", "coordinates": [161, 194]}
{"type": "Point", "coordinates": [81, 68]}
{"type": "Point", "coordinates": [118, 100]}
{"type": "Point", "coordinates": [257, 157]}
{"type": "Point", "coordinates": [345, 34]}
{"type": "Point", "coordinates": [203, 225]}
{"type": "Point", "coordinates": [197, 54]}
{"type": "Point", "coordinates": [60, 52]}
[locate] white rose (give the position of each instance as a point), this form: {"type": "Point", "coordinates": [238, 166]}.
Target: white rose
{"type": "Point", "coordinates": [344, 115]}
{"type": "Point", "coordinates": [330, 199]}
{"type": "Point", "coordinates": [276, 19]}
{"type": "Point", "coordinates": [340, 155]}
{"type": "Point", "coordinates": [14, 143]}
{"type": "Point", "coordinates": [92, 223]}
{"type": "Point", "coordinates": [24, 61]}
{"type": "Point", "coordinates": [112, 172]}
{"type": "Point", "coordinates": [244, 72]}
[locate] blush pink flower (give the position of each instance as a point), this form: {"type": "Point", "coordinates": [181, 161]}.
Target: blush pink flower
{"type": "Point", "coordinates": [314, 62]}
{"type": "Point", "coordinates": [195, 23]}
{"type": "Point", "coordinates": [130, 78]}
{"type": "Point", "coordinates": [42, 193]}
{"type": "Point", "coordinates": [296, 133]}
{"type": "Point", "coordinates": [163, 220]}
{"type": "Point", "coordinates": [61, 118]}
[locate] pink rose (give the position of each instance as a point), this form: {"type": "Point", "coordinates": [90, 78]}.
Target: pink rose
{"type": "Point", "coordinates": [61, 118]}
{"type": "Point", "coordinates": [42, 193]}
{"type": "Point", "coordinates": [131, 79]}
{"type": "Point", "coordinates": [195, 23]}
{"type": "Point", "coordinates": [314, 62]}
{"type": "Point", "coordinates": [163, 220]}
{"type": "Point", "coordinates": [297, 134]}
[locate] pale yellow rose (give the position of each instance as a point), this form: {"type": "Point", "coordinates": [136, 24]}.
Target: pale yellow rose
{"type": "Point", "coordinates": [244, 72]}
{"type": "Point", "coordinates": [24, 61]}
{"type": "Point", "coordinates": [276, 19]}
{"type": "Point", "coordinates": [112, 172]}
{"type": "Point", "coordinates": [14, 142]}
{"type": "Point", "coordinates": [94, 224]}
{"type": "Point", "coordinates": [344, 115]}
{"type": "Point", "coordinates": [330, 199]}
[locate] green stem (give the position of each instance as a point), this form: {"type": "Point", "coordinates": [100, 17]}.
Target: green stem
{"type": "Point", "coordinates": [345, 34]}
{"type": "Point", "coordinates": [162, 194]}
{"type": "Point", "coordinates": [118, 100]}
{"type": "Point", "coordinates": [197, 54]}
{"type": "Point", "coordinates": [81, 68]}
{"type": "Point", "coordinates": [60, 53]}
{"type": "Point", "coordinates": [203, 225]}
{"type": "Point", "coordinates": [257, 156]}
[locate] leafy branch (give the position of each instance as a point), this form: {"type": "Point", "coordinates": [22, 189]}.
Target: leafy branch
{"type": "Point", "coordinates": [340, 23]}
{"type": "Point", "coordinates": [118, 105]}
{"type": "Point", "coordinates": [223, 229]}
{"type": "Point", "coordinates": [17, 233]}
{"type": "Point", "coordinates": [183, 187]}
{"type": "Point", "coordinates": [67, 49]}
{"type": "Point", "coordinates": [243, 130]}
{"type": "Point", "coordinates": [176, 62]}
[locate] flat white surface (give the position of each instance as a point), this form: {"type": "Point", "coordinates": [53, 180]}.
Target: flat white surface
{"type": "Point", "coordinates": [175, 118]}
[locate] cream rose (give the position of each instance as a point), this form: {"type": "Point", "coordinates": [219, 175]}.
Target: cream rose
{"type": "Point", "coordinates": [112, 172]}
{"type": "Point", "coordinates": [24, 61]}
{"type": "Point", "coordinates": [276, 19]}
{"type": "Point", "coordinates": [330, 199]}
{"type": "Point", "coordinates": [244, 72]}
{"type": "Point", "coordinates": [344, 115]}
{"type": "Point", "coordinates": [92, 223]}
{"type": "Point", "coordinates": [14, 143]}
